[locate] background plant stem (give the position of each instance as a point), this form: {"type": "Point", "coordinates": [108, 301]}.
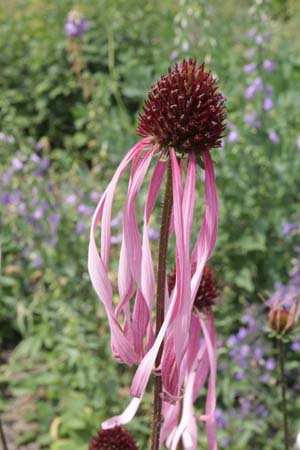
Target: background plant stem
{"type": "Point", "coordinates": [283, 393]}
{"type": "Point", "coordinates": [160, 300]}
{"type": "Point", "coordinates": [2, 437]}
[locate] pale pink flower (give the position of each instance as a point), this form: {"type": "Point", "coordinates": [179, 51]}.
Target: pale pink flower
{"type": "Point", "coordinates": [183, 119]}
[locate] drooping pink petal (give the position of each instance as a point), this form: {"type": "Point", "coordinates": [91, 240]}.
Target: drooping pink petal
{"type": "Point", "coordinates": [125, 417]}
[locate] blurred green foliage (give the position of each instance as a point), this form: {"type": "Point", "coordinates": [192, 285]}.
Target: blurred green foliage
{"type": "Point", "coordinates": [79, 99]}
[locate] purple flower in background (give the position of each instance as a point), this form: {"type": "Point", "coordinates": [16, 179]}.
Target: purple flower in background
{"type": "Point", "coordinates": [251, 33]}
{"type": "Point", "coordinates": [287, 228]}
{"type": "Point", "coordinates": [250, 52]}
{"type": "Point", "coordinates": [262, 411]}
{"type": "Point", "coordinates": [80, 227]}
{"type": "Point", "coordinates": [84, 210]}
{"type": "Point", "coordinates": [295, 346]}
{"type": "Point", "coordinates": [273, 136]}
{"type": "Point", "coordinates": [269, 65]}
{"type": "Point", "coordinates": [5, 198]}
{"type": "Point", "coordinates": [76, 25]}
{"type": "Point", "coordinates": [256, 85]}
{"type": "Point", "coordinates": [252, 120]}
{"type": "Point", "coordinates": [37, 262]}
{"type": "Point", "coordinates": [6, 138]}
{"type": "Point", "coordinates": [258, 353]}
{"type": "Point", "coordinates": [153, 234]}
{"type": "Point", "coordinates": [268, 90]}
{"type": "Point", "coordinates": [117, 220]}
{"type": "Point", "coordinates": [17, 164]}
{"type": "Point", "coordinates": [185, 46]}
{"type": "Point", "coordinates": [114, 240]}
{"type": "Point", "coordinates": [268, 104]}
{"type": "Point", "coordinates": [259, 39]}
{"type": "Point", "coordinates": [71, 199]}
{"type": "Point", "coordinates": [95, 196]}
{"type": "Point", "coordinates": [270, 364]}
{"type": "Point", "coordinates": [173, 55]}
{"type": "Point", "coordinates": [239, 375]}
{"type": "Point", "coordinates": [233, 136]}
{"type": "Point", "coordinates": [298, 143]}
{"type": "Point", "coordinates": [35, 158]}
{"type": "Point", "coordinates": [250, 68]}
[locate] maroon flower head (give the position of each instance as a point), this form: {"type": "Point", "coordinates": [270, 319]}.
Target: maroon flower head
{"type": "Point", "coordinates": [184, 110]}
{"type": "Point", "coordinates": [207, 292]}
{"type": "Point", "coordinates": [113, 439]}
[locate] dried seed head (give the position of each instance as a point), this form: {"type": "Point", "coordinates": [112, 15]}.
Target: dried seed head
{"type": "Point", "coordinates": [184, 110]}
{"type": "Point", "coordinates": [113, 439]}
{"type": "Point", "coordinates": [281, 321]}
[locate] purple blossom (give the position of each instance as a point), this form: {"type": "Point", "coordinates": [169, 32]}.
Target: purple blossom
{"type": "Point", "coordinates": [265, 378]}
{"type": "Point", "coordinates": [295, 346]}
{"type": "Point", "coordinates": [37, 262]}
{"type": "Point", "coordinates": [251, 90]}
{"type": "Point", "coordinates": [153, 234]}
{"type": "Point", "coordinates": [220, 419]}
{"type": "Point", "coordinates": [17, 164]}
{"type": "Point", "coordinates": [173, 55]}
{"type": "Point", "coordinates": [259, 39]}
{"type": "Point", "coordinates": [71, 199]}
{"type": "Point", "coordinates": [269, 65]}
{"type": "Point", "coordinates": [252, 120]}
{"type": "Point", "coordinates": [250, 68]}
{"type": "Point", "coordinates": [268, 90]}
{"type": "Point", "coordinates": [258, 353]}
{"type": "Point", "coordinates": [185, 46]}
{"type": "Point", "coordinates": [242, 333]}
{"type": "Point", "coordinates": [273, 136]}
{"type": "Point", "coordinates": [250, 52]}
{"type": "Point", "coordinates": [226, 442]}
{"type": "Point", "coordinates": [45, 163]}
{"type": "Point", "coordinates": [298, 143]}
{"type": "Point", "coordinates": [251, 33]}
{"type": "Point", "coordinates": [84, 210]}
{"type": "Point", "coordinates": [5, 198]}
{"type": "Point", "coordinates": [270, 364]}
{"type": "Point", "coordinates": [76, 25]}
{"type": "Point", "coordinates": [287, 228]}
{"type": "Point", "coordinates": [95, 196]}
{"type": "Point", "coordinates": [38, 213]}
{"type": "Point", "coordinates": [262, 411]}
{"type": "Point", "coordinates": [8, 139]}
{"type": "Point", "coordinates": [114, 240]}
{"type": "Point", "coordinates": [117, 220]}
{"type": "Point", "coordinates": [233, 137]}
{"type": "Point", "coordinates": [80, 227]}
{"type": "Point", "coordinates": [268, 104]}
{"type": "Point", "coordinates": [35, 158]}
{"type": "Point", "coordinates": [239, 375]}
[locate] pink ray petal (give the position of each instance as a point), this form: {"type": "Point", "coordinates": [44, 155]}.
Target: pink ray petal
{"type": "Point", "coordinates": [124, 418]}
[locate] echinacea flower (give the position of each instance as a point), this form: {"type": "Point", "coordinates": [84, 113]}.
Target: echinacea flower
{"type": "Point", "coordinates": [183, 119]}
{"type": "Point", "coordinates": [113, 439]}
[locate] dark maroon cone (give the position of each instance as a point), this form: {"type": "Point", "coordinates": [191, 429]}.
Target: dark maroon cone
{"type": "Point", "coordinates": [207, 292]}
{"type": "Point", "coordinates": [113, 439]}
{"type": "Point", "coordinates": [184, 110]}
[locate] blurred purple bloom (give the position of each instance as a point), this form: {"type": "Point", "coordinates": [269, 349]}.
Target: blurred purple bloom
{"type": "Point", "coordinates": [22, 208]}
{"type": "Point", "coordinates": [251, 33]}
{"type": "Point", "coordinates": [220, 419]}
{"type": "Point", "coordinates": [265, 378]}
{"type": "Point", "coordinates": [261, 410]}
{"type": "Point", "coordinates": [5, 198]}
{"type": "Point", "coordinates": [270, 364]}
{"type": "Point", "coordinates": [185, 46]}
{"type": "Point", "coordinates": [84, 210]}
{"type": "Point", "coordinates": [256, 85]}
{"type": "Point", "coordinates": [153, 234]}
{"type": "Point", "coordinates": [273, 136]}
{"type": "Point", "coordinates": [71, 199]}
{"type": "Point", "coordinates": [233, 137]}
{"type": "Point", "coordinates": [269, 65]}
{"type": "Point", "coordinates": [252, 120]}
{"type": "Point", "coordinates": [95, 196]}
{"type": "Point", "coordinates": [298, 143]}
{"type": "Point", "coordinates": [287, 228]}
{"type": "Point", "coordinates": [35, 158]}
{"type": "Point", "coordinates": [268, 90]}
{"type": "Point", "coordinates": [117, 220]}
{"type": "Point", "coordinates": [38, 213]}
{"type": "Point", "coordinates": [114, 240]}
{"type": "Point", "coordinates": [173, 55]}
{"type": "Point", "coordinates": [244, 351]}
{"type": "Point", "coordinates": [250, 52]}
{"type": "Point", "coordinates": [45, 163]}
{"type": "Point", "coordinates": [259, 39]}
{"type": "Point", "coordinates": [8, 139]}
{"type": "Point", "coordinates": [226, 442]}
{"type": "Point", "coordinates": [250, 68]}
{"type": "Point", "coordinates": [268, 104]}
{"type": "Point", "coordinates": [258, 353]}
{"type": "Point", "coordinates": [80, 227]}
{"type": "Point", "coordinates": [242, 333]}
{"type": "Point", "coordinates": [17, 164]}
{"type": "Point", "coordinates": [232, 340]}
{"type": "Point", "coordinates": [37, 262]}
{"type": "Point", "coordinates": [76, 25]}
{"type": "Point", "coordinates": [295, 346]}
{"type": "Point", "coordinates": [239, 375]}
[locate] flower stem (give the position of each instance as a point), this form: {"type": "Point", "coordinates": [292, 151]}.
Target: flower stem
{"type": "Point", "coordinates": [160, 303]}
{"type": "Point", "coordinates": [2, 437]}
{"type": "Point", "coordinates": [283, 393]}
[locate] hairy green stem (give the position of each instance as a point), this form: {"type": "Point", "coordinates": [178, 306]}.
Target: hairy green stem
{"type": "Point", "coordinates": [283, 394]}
{"type": "Point", "coordinates": [160, 302]}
